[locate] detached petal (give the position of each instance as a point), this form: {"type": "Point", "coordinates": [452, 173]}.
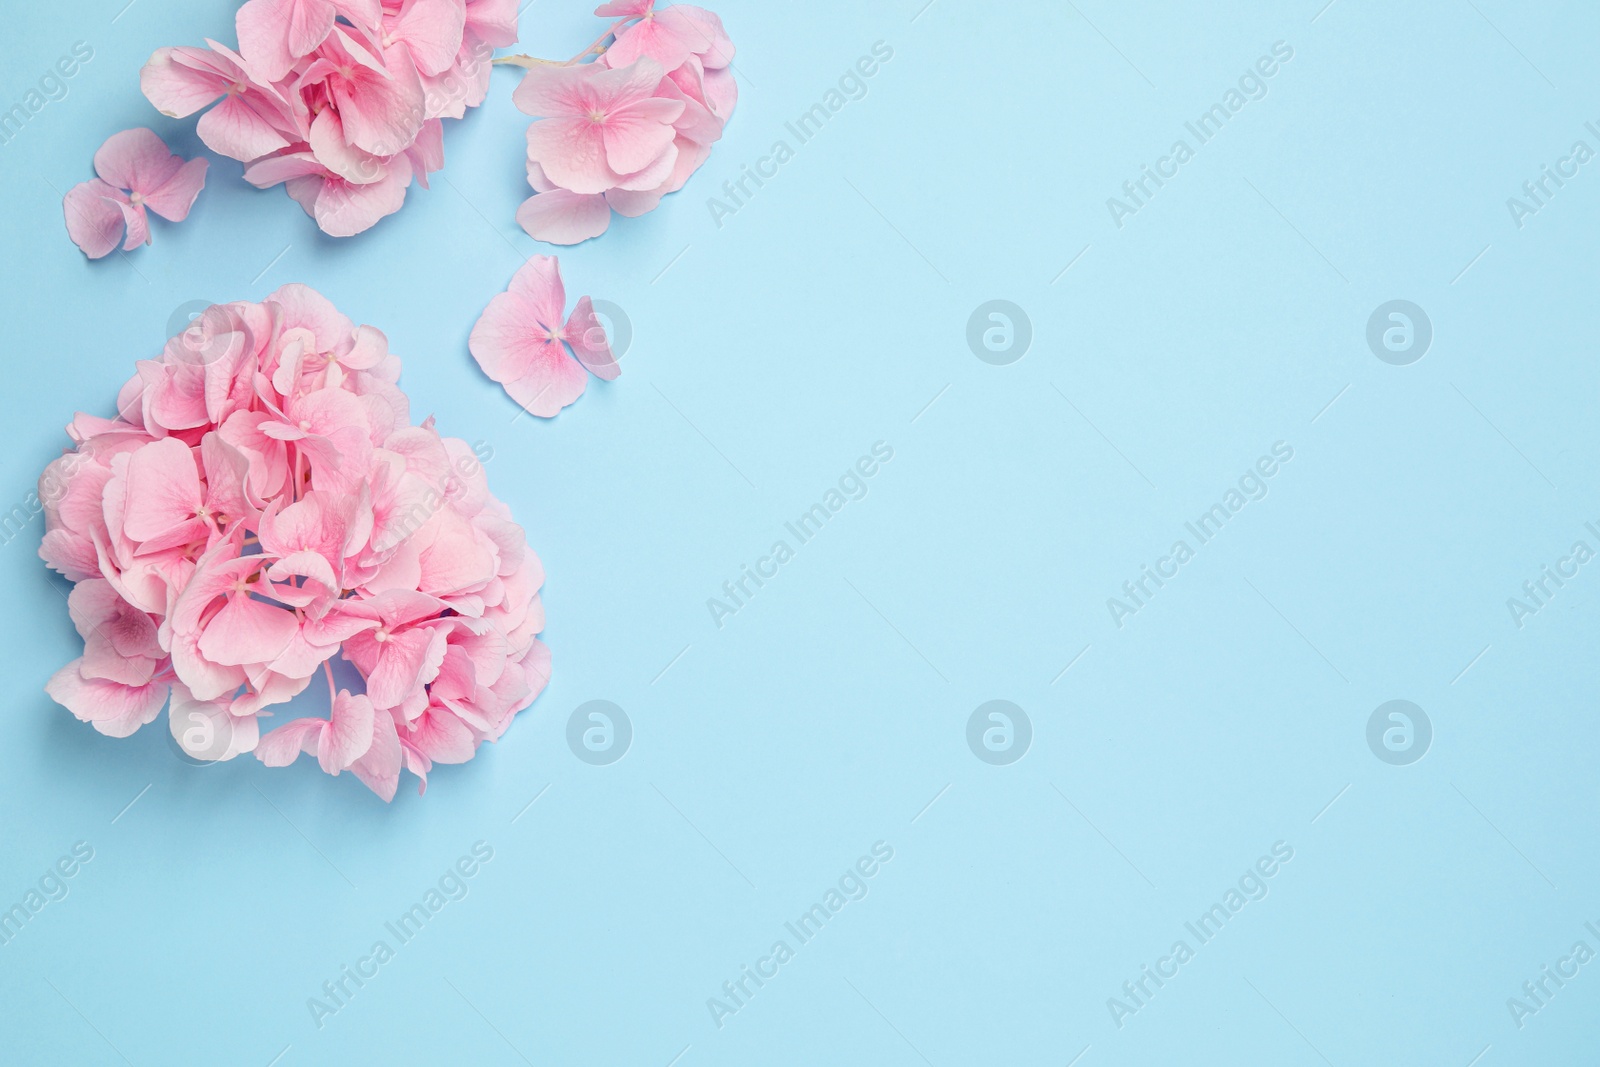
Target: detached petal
{"type": "Point", "coordinates": [564, 218]}
{"type": "Point", "coordinates": [174, 197]}
{"type": "Point", "coordinates": [94, 219]}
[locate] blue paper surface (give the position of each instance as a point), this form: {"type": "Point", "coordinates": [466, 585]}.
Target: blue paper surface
{"type": "Point", "coordinates": [1197, 746]}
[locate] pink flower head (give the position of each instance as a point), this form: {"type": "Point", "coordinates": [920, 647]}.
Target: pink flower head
{"type": "Point", "coordinates": [669, 36]}
{"type": "Point", "coordinates": [602, 129]}
{"type": "Point", "coordinates": [136, 171]}
{"type": "Point", "coordinates": [577, 180]}
{"type": "Point", "coordinates": [521, 341]}
{"type": "Point", "coordinates": [263, 504]}
{"type": "Point", "coordinates": [339, 101]}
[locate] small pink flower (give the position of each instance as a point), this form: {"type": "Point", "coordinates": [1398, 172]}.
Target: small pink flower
{"type": "Point", "coordinates": [693, 52]}
{"type": "Point", "coordinates": [136, 170]}
{"type": "Point", "coordinates": [521, 341]}
{"type": "Point", "coordinates": [601, 129]}
{"type": "Point", "coordinates": [669, 36]}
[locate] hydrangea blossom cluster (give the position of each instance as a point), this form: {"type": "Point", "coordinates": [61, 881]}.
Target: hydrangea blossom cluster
{"type": "Point", "coordinates": [263, 502]}
{"type": "Point", "coordinates": [620, 133]}
{"type": "Point", "coordinates": [341, 101]}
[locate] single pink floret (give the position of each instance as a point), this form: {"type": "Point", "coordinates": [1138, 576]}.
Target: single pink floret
{"type": "Point", "coordinates": [521, 341]}
{"type": "Point", "coordinates": [137, 171]}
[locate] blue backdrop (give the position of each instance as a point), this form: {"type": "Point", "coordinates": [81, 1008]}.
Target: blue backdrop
{"type": "Point", "coordinates": [1198, 346]}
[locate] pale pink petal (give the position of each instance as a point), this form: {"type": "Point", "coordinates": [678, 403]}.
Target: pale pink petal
{"type": "Point", "coordinates": [112, 708]}
{"type": "Point", "coordinates": [163, 490]}
{"type": "Point", "coordinates": [431, 30]}
{"type": "Point", "coordinates": [343, 210]}
{"type": "Point", "coordinates": [136, 160]}
{"type": "Point", "coordinates": [494, 21]}
{"type": "Point", "coordinates": [564, 218]}
{"type": "Point", "coordinates": [330, 148]}
{"type": "Point", "coordinates": [348, 735]}
{"type": "Point", "coordinates": [379, 769]}
{"type": "Point", "coordinates": [247, 631]}
{"type": "Point", "coordinates": [177, 89]}
{"type": "Point", "coordinates": [554, 90]}
{"type": "Point", "coordinates": [263, 29]}
{"type": "Point", "coordinates": [572, 153]}
{"type": "Point", "coordinates": [310, 22]}
{"type": "Point", "coordinates": [138, 224]}
{"type": "Point", "coordinates": [441, 737]}
{"type": "Point", "coordinates": [589, 342]}
{"type": "Point", "coordinates": [624, 8]}
{"type": "Point", "coordinates": [94, 219]}
{"type": "Point", "coordinates": [637, 135]}
{"type": "Point", "coordinates": [173, 198]}
{"type": "Point", "coordinates": [281, 747]}
{"type": "Point", "coordinates": [235, 129]}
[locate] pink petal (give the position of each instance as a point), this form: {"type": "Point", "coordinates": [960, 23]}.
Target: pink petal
{"type": "Point", "coordinates": [494, 21]}
{"type": "Point", "coordinates": [136, 160]}
{"type": "Point", "coordinates": [343, 210]}
{"type": "Point", "coordinates": [348, 735]}
{"type": "Point", "coordinates": [589, 342]}
{"type": "Point", "coordinates": [637, 135]}
{"type": "Point", "coordinates": [564, 218]}
{"type": "Point", "coordinates": [557, 91]}
{"type": "Point", "coordinates": [138, 224]}
{"type": "Point", "coordinates": [94, 220]}
{"type": "Point", "coordinates": [174, 197]}
{"type": "Point", "coordinates": [431, 30]}
{"type": "Point", "coordinates": [406, 661]}
{"type": "Point", "coordinates": [572, 153]}
{"type": "Point", "coordinates": [310, 22]}
{"type": "Point", "coordinates": [379, 769]}
{"type": "Point", "coordinates": [263, 31]}
{"type": "Point", "coordinates": [538, 281]}
{"type": "Point", "coordinates": [624, 8]}
{"type": "Point", "coordinates": [247, 631]}
{"type": "Point", "coordinates": [112, 708]}
{"type": "Point", "coordinates": [281, 747]}
{"type": "Point", "coordinates": [163, 490]}
{"type": "Point", "coordinates": [235, 129]}
{"type": "Point", "coordinates": [177, 89]}
{"type": "Point", "coordinates": [441, 737]}
{"type": "Point", "coordinates": [329, 146]}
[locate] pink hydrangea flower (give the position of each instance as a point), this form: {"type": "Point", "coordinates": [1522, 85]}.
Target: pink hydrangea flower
{"type": "Point", "coordinates": [261, 504]}
{"type": "Point", "coordinates": [621, 133]}
{"type": "Point", "coordinates": [339, 101]}
{"type": "Point", "coordinates": [522, 342]}
{"type": "Point", "coordinates": [137, 171]}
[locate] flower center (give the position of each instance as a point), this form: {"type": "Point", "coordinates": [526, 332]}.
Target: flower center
{"type": "Point", "coordinates": [381, 636]}
{"type": "Point", "coordinates": [597, 117]}
{"type": "Point", "coordinates": [136, 199]}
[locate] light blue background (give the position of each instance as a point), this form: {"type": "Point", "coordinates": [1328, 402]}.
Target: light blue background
{"type": "Point", "coordinates": [825, 716]}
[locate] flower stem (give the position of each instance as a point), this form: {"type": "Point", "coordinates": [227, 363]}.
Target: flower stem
{"type": "Point", "coordinates": [597, 48]}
